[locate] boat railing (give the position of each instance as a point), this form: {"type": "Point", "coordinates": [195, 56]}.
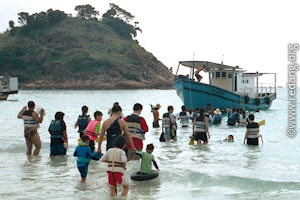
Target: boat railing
{"type": "Point", "coordinates": [258, 92]}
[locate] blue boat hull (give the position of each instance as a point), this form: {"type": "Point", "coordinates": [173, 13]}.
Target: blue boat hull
{"type": "Point", "coordinates": [195, 94]}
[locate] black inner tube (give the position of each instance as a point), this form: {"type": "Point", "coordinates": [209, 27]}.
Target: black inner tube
{"type": "Point", "coordinates": [138, 176]}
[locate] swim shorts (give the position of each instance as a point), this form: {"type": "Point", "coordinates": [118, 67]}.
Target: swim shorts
{"type": "Point", "coordinates": [155, 124]}
{"type": "Point", "coordinates": [198, 76]}
{"type": "Point", "coordinates": [201, 136]}
{"type": "Point", "coordinates": [252, 141]}
{"type": "Point", "coordinates": [115, 178]}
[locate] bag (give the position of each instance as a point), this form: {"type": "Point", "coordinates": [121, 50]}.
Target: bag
{"type": "Point", "coordinates": [162, 137]}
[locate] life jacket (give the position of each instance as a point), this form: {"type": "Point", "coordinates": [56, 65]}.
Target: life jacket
{"type": "Point", "coordinates": [200, 126]}
{"type": "Point", "coordinates": [114, 160]}
{"type": "Point", "coordinates": [243, 120]}
{"type": "Point", "coordinates": [231, 118]}
{"type": "Point", "coordinates": [90, 130]}
{"type": "Point", "coordinates": [55, 129]}
{"type": "Point", "coordinates": [29, 122]}
{"type": "Point", "coordinates": [253, 130]}
{"type": "Point", "coordinates": [82, 122]}
{"type": "Point", "coordinates": [112, 133]}
{"type": "Point", "coordinates": [183, 117]}
{"type": "Point", "coordinates": [194, 115]}
{"type": "Point", "coordinates": [134, 127]}
{"type": "Point", "coordinates": [217, 119]}
{"type": "Point", "coordinates": [166, 121]}
{"type": "Point", "coordinates": [82, 158]}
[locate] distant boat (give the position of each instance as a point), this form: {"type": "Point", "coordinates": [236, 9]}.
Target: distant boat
{"type": "Point", "coordinates": [8, 87]}
{"type": "Point", "coordinates": [228, 87]}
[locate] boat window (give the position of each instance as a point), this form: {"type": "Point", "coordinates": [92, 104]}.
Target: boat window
{"type": "Point", "coordinates": [223, 74]}
{"type": "Point", "coordinates": [212, 75]}
{"type": "Point", "coordinates": [229, 75]}
{"type": "Point", "coordinates": [217, 74]}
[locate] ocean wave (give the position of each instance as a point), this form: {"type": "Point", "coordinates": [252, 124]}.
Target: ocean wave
{"type": "Point", "coordinates": [192, 179]}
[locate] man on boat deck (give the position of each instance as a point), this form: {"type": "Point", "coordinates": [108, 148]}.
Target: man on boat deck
{"type": "Point", "coordinates": [197, 73]}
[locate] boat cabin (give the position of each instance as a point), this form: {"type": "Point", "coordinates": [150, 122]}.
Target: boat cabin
{"type": "Point", "coordinates": [233, 79]}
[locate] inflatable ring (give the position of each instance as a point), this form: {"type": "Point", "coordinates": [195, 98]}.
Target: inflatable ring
{"type": "Point", "coordinates": [246, 99]}
{"type": "Point", "coordinates": [268, 100]}
{"type": "Point", "coordinates": [138, 176]}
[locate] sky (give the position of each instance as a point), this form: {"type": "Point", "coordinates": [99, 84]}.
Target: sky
{"type": "Point", "coordinates": [251, 34]}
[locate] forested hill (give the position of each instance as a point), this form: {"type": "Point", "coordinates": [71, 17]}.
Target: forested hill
{"type": "Point", "coordinates": [53, 50]}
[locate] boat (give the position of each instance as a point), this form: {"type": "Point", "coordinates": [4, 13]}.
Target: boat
{"type": "Point", "coordinates": [229, 86]}
{"type": "Point", "coordinates": [8, 87]}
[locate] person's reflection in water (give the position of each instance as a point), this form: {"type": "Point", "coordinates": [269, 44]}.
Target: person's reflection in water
{"type": "Point", "coordinates": [252, 154]}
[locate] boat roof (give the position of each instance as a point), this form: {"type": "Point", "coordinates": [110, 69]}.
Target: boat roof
{"type": "Point", "coordinates": [209, 65]}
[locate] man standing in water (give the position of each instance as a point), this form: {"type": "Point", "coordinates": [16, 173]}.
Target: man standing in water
{"type": "Point", "coordinates": [252, 133]}
{"type": "Point", "coordinates": [31, 124]}
{"type": "Point", "coordinates": [113, 127]}
{"type": "Point", "coordinates": [137, 128]}
{"type": "Point", "coordinates": [156, 116]}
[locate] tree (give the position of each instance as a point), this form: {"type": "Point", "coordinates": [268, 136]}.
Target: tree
{"type": "Point", "coordinates": [121, 13]}
{"type": "Point", "coordinates": [86, 11]}
{"type": "Point", "coordinates": [11, 24]}
{"type": "Point", "coordinates": [22, 19]}
{"type": "Point", "coordinates": [119, 19]}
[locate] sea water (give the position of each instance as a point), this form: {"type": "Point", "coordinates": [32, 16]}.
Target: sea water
{"type": "Point", "coordinates": [219, 170]}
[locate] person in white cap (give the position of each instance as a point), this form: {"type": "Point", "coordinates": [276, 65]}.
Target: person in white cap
{"type": "Point", "coordinates": [217, 118]}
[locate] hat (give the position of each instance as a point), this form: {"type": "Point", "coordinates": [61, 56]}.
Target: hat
{"type": "Point", "coordinates": [217, 112]}
{"type": "Point", "coordinates": [157, 106]}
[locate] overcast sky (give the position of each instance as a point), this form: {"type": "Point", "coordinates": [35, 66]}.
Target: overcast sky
{"type": "Point", "coordinates": [251, 34]}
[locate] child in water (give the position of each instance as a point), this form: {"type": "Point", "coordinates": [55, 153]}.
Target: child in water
{"type": "Point", "coordinates": [147, 159]}
{"type": "Point", "coordinates": [83, 154]}
{"type": "Point", "coordinates": [93, 129]}
{"type": "Point", "coordinates": [116, 159]}
{"type": "Point", "coordinates": [229, 139]}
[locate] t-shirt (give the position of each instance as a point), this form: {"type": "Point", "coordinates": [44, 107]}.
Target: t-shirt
{"type": "Point", "coordinates": [98, 128]}
{"type": "Point", "coordinates": [146, 165]}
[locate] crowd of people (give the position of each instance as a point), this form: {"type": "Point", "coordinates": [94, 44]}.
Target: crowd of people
{"type": "Point", "coordinates": [125, 135]}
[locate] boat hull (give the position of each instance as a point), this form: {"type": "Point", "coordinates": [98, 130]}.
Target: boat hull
{"type": "Point", "coordinates": [195, 94]}
{"type": "Point", "coordinates": [4, 95]}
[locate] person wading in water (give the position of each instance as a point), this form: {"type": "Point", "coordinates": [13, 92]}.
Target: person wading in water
{"type": "Point", "coordinates": [113, 127]}
{"type": "Point", "coordinates": [31, 124]}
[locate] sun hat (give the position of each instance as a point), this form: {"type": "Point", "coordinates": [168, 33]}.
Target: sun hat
{"type": "Point", "coordinates": [217, 112]}
{"type": "Point", "coordinates": [158, 106]}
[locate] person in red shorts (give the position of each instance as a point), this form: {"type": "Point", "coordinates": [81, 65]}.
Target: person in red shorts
{"type": "Point", "coordinates": [116, 159]}
{"type": "Point", "coordinates": [137, 127]}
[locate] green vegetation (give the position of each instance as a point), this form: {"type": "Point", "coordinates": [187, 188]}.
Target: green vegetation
{"type": "Point", "coordinates": [54, 50]}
